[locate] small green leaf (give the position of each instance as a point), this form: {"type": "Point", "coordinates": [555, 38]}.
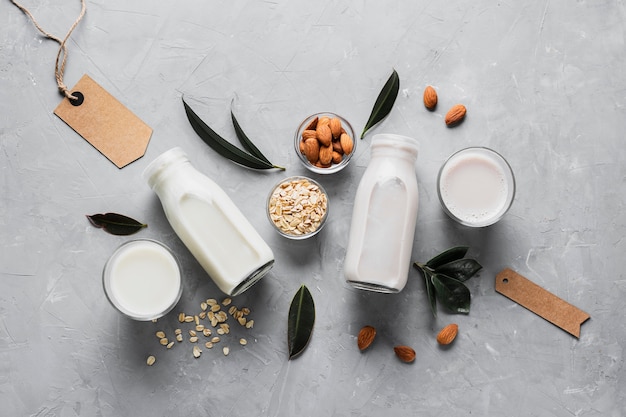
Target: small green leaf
{"type": "Point", "coordinates": [116, 224]}
{"type": "Point", "coordinates": [384, 102]}
{"type": "Point", "coordinates": [430, 288]}
{"type": "Point", "coordinates": [221, 145]}
{"type": "Point", "coordinates": [246, 142]}
{"type": "Point", "coordinates": [461, 269]}
{"type": "Point", "coordinates": [453, 294]}
{"type": "Point", "coordinates": [300, 321]}
{"type": "Point", "coordinates": [449, 255]}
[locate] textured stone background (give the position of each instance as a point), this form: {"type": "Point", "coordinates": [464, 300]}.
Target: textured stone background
{"type": "Point", "coordinates": [544, 84]}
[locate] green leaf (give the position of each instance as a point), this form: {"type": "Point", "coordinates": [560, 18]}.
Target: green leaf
{"type": "Point", "coordinates": [300, 322]}
{"type": "Point", "coordinates": [430, 288]}
{"type": "Point", "coordinates": [461, 269]}
{"type": "Point", "coordinates": [221, 145]}
{"type": "Point", "coordinates": [449, 255]}
{"type": "Point", "coordinates": [247, 143]}
{"type": "Point", "coordinates": [116, 224]}
{"type": "Point", "coordinates": [384, 102]}
{"type": "Point", "coordinates": [453, 294]}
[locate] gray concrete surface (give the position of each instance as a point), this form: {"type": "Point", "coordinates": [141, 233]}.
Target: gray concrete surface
{"type": "Point", "coordinates": [544, 84]}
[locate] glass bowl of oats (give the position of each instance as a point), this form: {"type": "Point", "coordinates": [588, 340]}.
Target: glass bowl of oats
{"type": "Point", "coordinates": [297, 207]}
{"type": "Point", "coordinates": [324, 142]}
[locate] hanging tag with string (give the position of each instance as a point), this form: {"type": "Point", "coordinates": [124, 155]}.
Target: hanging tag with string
{"type": "Point", "coordinates": [92, 112]}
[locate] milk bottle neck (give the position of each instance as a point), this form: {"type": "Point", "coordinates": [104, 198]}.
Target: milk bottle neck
{"type": "Point", "coordinates": [162, 167]}
{"type": "Point", "coordinates": [396, 147]}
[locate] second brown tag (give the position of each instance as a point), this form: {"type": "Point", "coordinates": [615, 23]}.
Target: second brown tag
{"type": "Point", "coordinates": [540, 301]}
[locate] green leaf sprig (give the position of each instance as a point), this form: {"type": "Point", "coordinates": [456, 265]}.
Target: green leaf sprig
{"type": "Point", "coordinates": [444, 276]}
{"type": "Point", "coordinates": [251, 159]}
{"type": "Point", "coordinates": [300, 321]}
{"type": "Point", "coordinates": [116, 224]}
{"type": "Point", "coordinates": [384, 102]}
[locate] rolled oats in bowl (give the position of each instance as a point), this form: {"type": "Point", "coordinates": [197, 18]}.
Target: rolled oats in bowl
{"type": "Point", "coordinates": [297, 207]}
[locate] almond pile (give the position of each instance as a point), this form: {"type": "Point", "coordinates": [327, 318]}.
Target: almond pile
{"type": "Point", "coordinates": [325, 142]}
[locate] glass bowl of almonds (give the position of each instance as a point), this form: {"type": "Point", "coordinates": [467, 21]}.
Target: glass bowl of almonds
{"type": "Point", "coordinates": [325, 143]}
{"type": "Point", "coordinates": [297, 207]}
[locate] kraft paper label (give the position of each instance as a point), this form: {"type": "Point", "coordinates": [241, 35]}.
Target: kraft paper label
{"type": "Point", "coordinates": [540, 301]}
{"type": "Point", "coordinates": [105, 123]}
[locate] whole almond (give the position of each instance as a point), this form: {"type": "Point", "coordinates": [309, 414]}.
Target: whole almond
{"type": "Point", "coordinates": [326, 154]}
{"type": "Point", "coordinates": [312, 150]}
{"type": "Point", "coordinates": [405, 353]}
{"type": "Point", "coordinates": [346, 143]}
{"type": "Point", "coordinates": [430, 98]}
{"type": "Point", "coordinates": [366, 337]}
{"type": "Point", "coordinates": [308, 134]}
{"type": "Point", "coordinates": [335, 127]}
{"type": "Point", "coordinates": [302, 146]}
{"type": "Point", "coordinates": [337, 157]}
{"type": "Point", "coordinates": [312, 124]}
{"type": "Point", "coordinates": [455, 115]}
{"type": "Point", "coordinates": [447, 334]}
{"type": "Point", "coordinates": [337, 147]}
{"type": "Point", "coordinates": [324, 134]}
{"type": "Point", "coordinates": [323, 121]}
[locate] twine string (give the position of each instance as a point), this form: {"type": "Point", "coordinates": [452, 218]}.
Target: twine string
{"type": "Point", "coordinates": [61, 59]}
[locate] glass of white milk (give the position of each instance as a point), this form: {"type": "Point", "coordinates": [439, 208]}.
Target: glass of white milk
{"type": "Point", "coordinates": [476, 186]}
{"type": "Point", "coordinates": [142, 279]}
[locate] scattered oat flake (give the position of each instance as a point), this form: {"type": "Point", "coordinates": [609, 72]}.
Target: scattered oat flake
{"type": "Point", "coordinates": [160, 334]}
{"type": "Point", "coordinates": [226, 350]}
{"type": "Point", "coordinates": [209, 345]}
{"type": "Point", "coordinates": [250, 324]}
{"type": "Point", "coordinates": [197, 352]}
{"type": "Point", "coordinates": [226, 301]}
{"type": "Point", "coordinates": [193, 339]}
{"type": "Point", "coordinates": [169, 345]}
{"type": "Point", "coordinates": [164, 341]}
{"type": "Point", "coordinates": [243, 342]}
{"type": "Point", "coordinates": [151, 360]}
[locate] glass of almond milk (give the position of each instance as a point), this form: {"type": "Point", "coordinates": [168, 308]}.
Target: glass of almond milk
{"type": "Point", "coordinates": [142, 279]}
{"type": "Point", "coordinates": [476, 186]}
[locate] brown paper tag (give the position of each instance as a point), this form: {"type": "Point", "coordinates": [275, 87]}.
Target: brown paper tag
{"type": "Point", "coordinates": [105, 123]}
{"type": "Point", "coordinates": [540, 301]}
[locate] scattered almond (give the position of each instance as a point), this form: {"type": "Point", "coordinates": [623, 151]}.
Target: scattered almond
{"type": "Point", "coordinates": [405, 353]}
{"type": "Point", "coordinates": [366, 337]}
{"type": "Point", "coordinates": [447, 334]}
{"type": "Point", "coordinates": [455, 115]}
{"type": "Point", "coordinates": [430, 98]}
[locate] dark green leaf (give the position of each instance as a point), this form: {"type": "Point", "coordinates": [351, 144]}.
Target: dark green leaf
{"type": "Point", "coordinates": [247, 143]}
{"type": "Point", "coordinates": [301, 320]}
{"type": "Point", "coordinates": [384, 102]}
{"type": "Point", "coordinates": [116, 224]}
{"type": "Point", "coordinates": [221, 145]}
{"type": "Point", "coordinates": [461, 269]}
{"type": "Point", "coordinates": [449, 255]}
{"type": "Point", "coordinates": [430, 289]}
{"type": "Point", "coordinates": [453, 294]}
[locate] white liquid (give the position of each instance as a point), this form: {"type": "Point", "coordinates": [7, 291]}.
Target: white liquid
{"type": "Point", "coordinates": [222, 247]}
{"type": "Point", "coordinates": [210, 225]}
{"type": "Point", "coordinates": [475, 187]}
{"type": "Point", "coordinates": [379, 258]}
{"type": "Point", "coordinates": [378, 255]}
{"type": "Point", "coordinates": [143, 279]}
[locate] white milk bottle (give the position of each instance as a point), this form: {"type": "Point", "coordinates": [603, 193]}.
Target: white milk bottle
{"type": "Point", "coordinates": [214, 230]}
{"type": "Point", "coordinates": [383, 219]}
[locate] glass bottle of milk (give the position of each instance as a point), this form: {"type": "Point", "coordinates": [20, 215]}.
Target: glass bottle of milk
{"type": "Point", "coordinates": [214, 230]}
{"type": "Point", "coordinates": [383, 219]}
